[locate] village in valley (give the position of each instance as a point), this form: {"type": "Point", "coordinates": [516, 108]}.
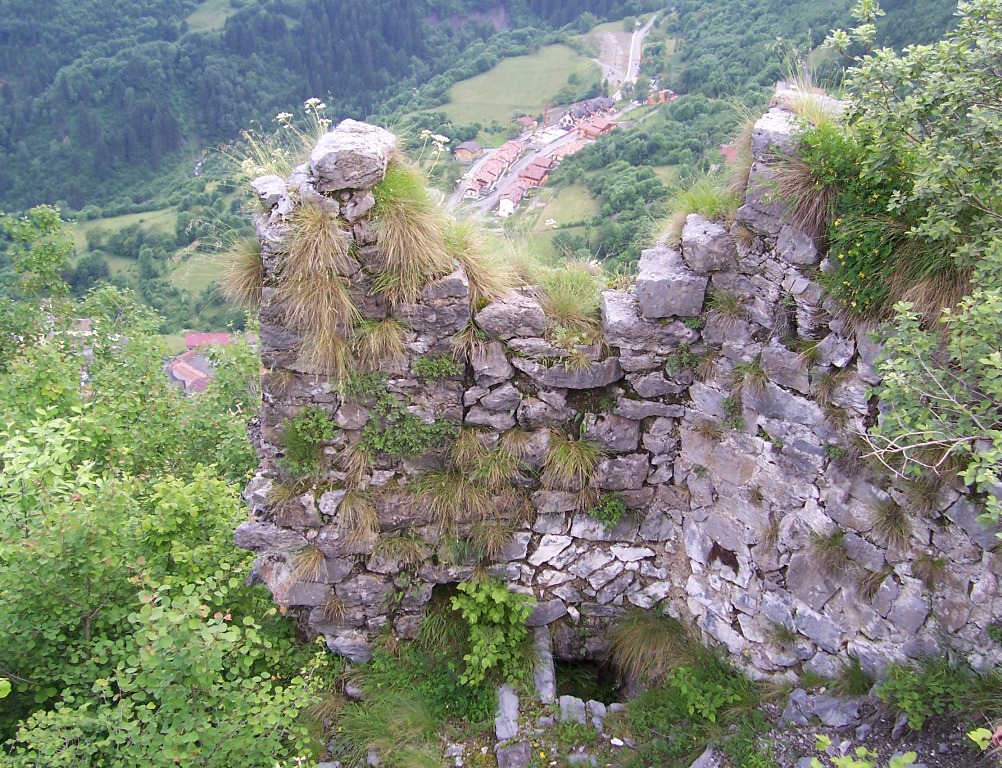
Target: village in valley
{"type": "Point", "coordinates": [500, 179]}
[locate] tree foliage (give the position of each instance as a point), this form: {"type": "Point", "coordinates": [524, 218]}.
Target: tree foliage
{"type": "Point", "coordinates": [936, 112]}
{"type": "Point", "coordinates": [126, 632]}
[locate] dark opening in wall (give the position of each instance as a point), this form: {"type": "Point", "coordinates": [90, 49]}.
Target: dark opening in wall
{"type": "Point", "coordinates": [588, 680]}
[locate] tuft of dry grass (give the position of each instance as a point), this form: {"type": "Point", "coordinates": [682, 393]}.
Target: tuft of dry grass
{"type": "Point", "coordinates": [570, 296]}
{"type": "Point", "coordinates": [923, 493]}
{"type": "Point", "coordinates": [739, 170]}
{"type": "Point", "coordinates": [496, 469]}
{"type": "Point", "coordinates": [646, 645]}
{"type": "Point", "coordinates": [469, 342]}
{"type": "Point", "coordinates": [334, 609]}
{"type": "Point", "coordinates": [356, 514]}
{"type": "Point", "coordinates": [489, 267]}
{"type": "Point", "coordinates": [725, 308]}
{"type": "Point", "coordinates": [308, 564]}
{"type": "Point", "coordinates": [570, 464]}
{"type": "Point", "coordinates": [491, 537]}
{"type": "Point", "coordinates": [711, 197]}
{"type": "Point", "coordinates": [829, 552]}
{"type": "Point", "coordinates": [355, 461]}
{"type": "Point", "coordinates": [409, 551]}
{"type": "Point", "coordinates": [325, 352]}
{"type": "Point", "coordinates": [810, 199]}
{"type": "Point", "coordinates": [710, 430]}
{"type": "Point", "coordinates": [467, 452]}
{"type": "Point", "coordinates": [929, 569]}
{"type": "Point", "coordinates": [243, 279]}
{"type": "Point", "coordinates": [411, 233]}
{"type": "Point", "coordinates": [750, 377]}
{"type": "Point", "coordinates": [377, 340]}
{"type": "Point", "coordinates": [316, 246]}
{"type": "Point", "coordinates": [868, 582]}
{"type": "Point", "coordinates": [891, 524]}
{"type": "Point", "coordinates": [452, 497]}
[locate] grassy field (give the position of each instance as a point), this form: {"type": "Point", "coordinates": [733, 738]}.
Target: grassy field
{"type": "Point", "coordinates": [196, 272]}
{"type": "Point", "coordinates": [521, 85]}
{"type": "Point", "coordinates": [667, 173]}
{"type": "Point", "coordinates": [566, 205]}
{"type": "Point", "coordinates": [174, 342]}
{"type": "Point", "coordinates": [211, 14]}
{"type": "Point", "coordinates": [152, 221]}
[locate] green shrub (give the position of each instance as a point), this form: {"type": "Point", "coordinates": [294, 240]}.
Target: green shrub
{"type": "Point", "coordinates": [303, 441]}
{"type": "Point", "coordinates": [609, 509]}
{"type": "Point", "coordinates": [923, 691]}
{"type": "Point", "coordinates": [877, 259]}
{"type": "Point", "coordinates": [495, 618]}
{"type": "Point", "coordinates": [441, 367]}
{"type": "Point", "coordinates": [703, 701]}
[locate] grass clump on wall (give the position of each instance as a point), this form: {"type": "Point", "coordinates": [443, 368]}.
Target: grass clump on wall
{"type": "Point", "coordinates": [411, 232]}
{"type": "Point", "coordinates": [243, 279]}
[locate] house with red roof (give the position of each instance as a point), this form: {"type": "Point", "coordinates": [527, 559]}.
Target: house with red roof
{"type": "Point", "coordinates": [597, 126]}
{"type": "Point", "coordinates": [195, 340]}
{"type": "Point", "coordinates": [534, 175]}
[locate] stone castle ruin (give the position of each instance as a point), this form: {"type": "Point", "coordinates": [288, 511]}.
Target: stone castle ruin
{"type": "Point", "coordinates": [748, 511]}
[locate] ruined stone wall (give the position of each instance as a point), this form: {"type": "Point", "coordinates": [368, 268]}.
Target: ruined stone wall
{"type": "Point", "coordinates": [738, 472]}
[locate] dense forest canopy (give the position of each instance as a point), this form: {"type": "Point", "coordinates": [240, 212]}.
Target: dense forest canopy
{"type": "Point", "coordinates": [96, 95]}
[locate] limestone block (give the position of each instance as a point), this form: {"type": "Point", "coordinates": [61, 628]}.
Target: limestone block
{"type": "Point", "coordinates": [352, 156]}
{"type": "Point", "coordinates": [707, 246]}
{"type": "Point", "coordinates": [617, 434]}
{"type": "Point", "coordinates": [786, 368]}
{"type": "Point", "coordinates": [514, 314]}
{"type": "Point", "coordinates": [496, 420]}
{"type": "Point", "coordinates": [502, 398]}
{"type": "Point", "coordinates": [645, 409]}
{"type": "Point", "coordinates": [269, 189]}
{"type": "Point", "coordinates": [590, 562]}
{"type": "Point", "coordinates": [353, 645]}
{"type": "Point", "coordinates": [615, 588]}
{"type": "Point", "coordinates": [796, 247]}
{"type": "Point", "coordinates": [367, 590]}
{"type": "Point", "coordinates": [550, 504]}
{"type": "Point", "coordinates": [776, 132]}
{"type": "Point", "coordinates": [267, 537]}
{"type": "Point", "coordinates": [820, 629]}
{"type": "Point", "coordinates": [593, 376]}
{"type": "Point", "coordinates": [666, 287]}
{"type": "Point", "coordinates": [622, 473]}
{"type": "Point", "coordinates": [549, 547]}
{"type": "Point", "coordinates": [910, 608]}
{"type": "Point", "coordinates": [624, 326]}
{"type": "Point", "coordinates": [807, 580]}
{"type": "Point", "coordinates": [491, 366]}
{"type": "Point", "coordinates": [546, 613]}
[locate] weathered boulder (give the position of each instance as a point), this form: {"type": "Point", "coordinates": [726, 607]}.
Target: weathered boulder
{"type": "Point", "coordinates": [352, 156]}
{"type": "Point", "coordinates": [514, 314]}
{"type": "Point", "coordinates": [593, 376]}
{"type": "Point", "coordinates": [707, 246]}
{"type": "Point", "coordinates": [666, 287]}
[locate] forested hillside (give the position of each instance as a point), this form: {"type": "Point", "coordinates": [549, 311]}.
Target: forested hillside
{"type": "Point", "coordinates": [96, 95]}
{"type": "Point", "coordinates": [728, 55]}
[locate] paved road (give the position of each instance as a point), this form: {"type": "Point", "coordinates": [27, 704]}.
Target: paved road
{"type": "Point", "coordinates": [480, 207]}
